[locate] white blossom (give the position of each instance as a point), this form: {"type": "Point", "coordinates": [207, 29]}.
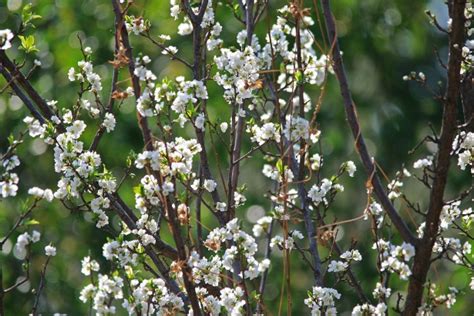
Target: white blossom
{"type": "Point", "coordinates": [109, 122]}
{"type": "Point", "coordinates": [337, 266]}
{"type": "Point", "coordinates": [199, 122]}
{"type": "Point", "coordinates": [224, 126]}
{"type": "Point", "coordinates": [5, 39]}
{"type": "Point", "coordinates": [322, 299]}
{"type": "Point", "coordinates": [50, 251]}
{"type": "Point", "coordinates": [317, 193]}
{"type": "Point", "coordinates": [41, 194]}
{"type": "Point", "coordinates": [221, 206]}
{"type": "Point", "coordinates": [423, 163]}
{"type": "Point", "coordinates": [88, 266]}
{"type": "Point", "coordinates": [185, 28]}
{"type": "Point", "coordinates": [350, 167]}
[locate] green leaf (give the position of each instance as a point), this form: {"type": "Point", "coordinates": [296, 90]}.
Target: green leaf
{"type": "Point", "coordinates": [28, 43]}
{"type": "Point", "coordinates": [11, 139]}
{"type": "Point", "coordinates": [31, 222]}
{"type": "Point", "coordinates": [138, 189]}
{"type": "Point", "coordinates": [299, 77]}
{"type": "Point", "coordinates": [191, 110]}
{"type": "Point", "coordinates": [27, 15]}
{"type": "Point", "coordinates": [279, 166]}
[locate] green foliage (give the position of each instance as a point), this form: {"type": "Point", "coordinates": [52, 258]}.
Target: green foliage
{"type": "Point", "coordinates": [28, 43]}
{"type": "Point", "coordinates": [28, 16]}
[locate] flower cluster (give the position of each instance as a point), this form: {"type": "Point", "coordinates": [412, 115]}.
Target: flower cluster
{"type": "Point", "coordinates": [423, 163]}
{"type": "Point", "coordinates": [287, 243]}
{"type": "Point", "coordinates": [434, 300]}
{"type": "Point", "coordinates": [314, 68]}
{"type": "Point", "coordinates": [321, 301]}
{"type": "Point", "coordinates": [26, 239]}
{"type": "Point", "coordinates": [41, 194]}
{"type": "Point", "coordinates": [5, 39]}
{"type": "Point", "coordinates": [375, 209]}
{"type": "Point", "coordinates": [89, 265]}
{"type": "Point", "coordinates": [381, 292]}
{"type": "Point", "coordinates": [264, 133]}
{"type": "Point", "coordinates": [453, 249]}
{"type": "Point", "coordinates": [347, 257]}
{"type": "Point", "coordinates": [103, 294]}
{"type": "Point", "coordinates": [9, 180]}
{"type": "Point", "coordinates": [171, 159]}
{"type": "Point", "coordinates": [318, 193]}
{"type": "Point", "coordinates": [468, 48]}
{"type": "Point", "coordinates": [238, 73]}
{"type": "Point", "coordinates": [463, 147]}
{"type": "Point", "coordinates": [395, 258]}
{"type": "Point", "coordinates": [136, 25]}
{"type": "Point", "coordinates": [366, 309]}
{"type": "Point", "coordinates": [242, 248]}
{"type": "Point", "coordinates": [296, 128]}
{"type": "Point", "coordinates": [86, 74]}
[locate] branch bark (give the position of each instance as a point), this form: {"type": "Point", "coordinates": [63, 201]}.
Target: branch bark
{"type": "Point", "coordinates": [467, 95]}
{"type": "Point", "coordinates": [421, 264]}
{"type": "Point", "coordinates": [351, 117]}
{"type": "Point", "coordinates": [299, 166]}
{"type": "Point", "coordinates": [147, 138]}
{"type": "Point", "coordinates": [199, 69]}
{"type": "Point", "coordinates": [21, 95]}
{"type": "Point", "coordinates": [26, 85]}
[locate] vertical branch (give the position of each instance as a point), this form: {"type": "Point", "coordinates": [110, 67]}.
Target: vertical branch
{"type": "Point", "coordinates": [302, 192]}
{"type": "Point", "coordinates": [34, 310]}
{"type": "Point", "coordinates": [238, 126]}
{"type": "Point", "coordinates": [199, 66]}
{"type": "Point", "coordinates": [421, 264]}
{"type": "Point", "coordinates": [467, 94]}
{"type": "Point", "coordinates": [351, 116]}
{"type": "Point", "coordinates": [308, 221]}
{"type": "Point", "coordinates": [263, 280]}
{"type": "Point", "coordinates": [123, 34]}
{"type": "Point", "coordinates": [147, 137]}
{"type": "Point", "coordinates": [101, 130]}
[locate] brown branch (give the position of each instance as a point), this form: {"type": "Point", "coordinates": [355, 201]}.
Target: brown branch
{"type": "Point", "coordinates": [467, 95]}
{"type": "Point", "coordinates": [113, 88]}
{"type": "Point", "coordinates": [26, 85]}
{"type": "Point", "coordinates": [199, 70]}
{"type": "Point", "coordinates": [238, 127]}
{"type": "Point", "coordinates": [166, 49]}
{"type": "Point", "coordinates": [34, 310]}
{"type": "Point", "coordinates": [299, 166]}
{"type": "Point", "coordinates": [421, 264]}
{"type": "Point", "coordinates": [21, 95]}
{"type": "Point", "coordinates": [147, 138]}
{"type": "Point", "coordinates": [19, 222]}
{"type": "Point", "coordinates": [351, 116]}
{"type": "Point", "coordinates": [263, 279]}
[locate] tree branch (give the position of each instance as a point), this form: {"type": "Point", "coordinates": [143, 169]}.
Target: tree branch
{"type": "Point", "coordinates": [351, 116]}
{"type": "Point", "coordinates": [32, 93]}
{"type": "Point", "coordinates": [421, 264]}
{"type": "Point", "coordinates": [21, 95]}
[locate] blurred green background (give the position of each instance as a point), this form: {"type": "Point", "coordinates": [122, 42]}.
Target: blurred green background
{"type": "Point", "coordinates": [381, 40]}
